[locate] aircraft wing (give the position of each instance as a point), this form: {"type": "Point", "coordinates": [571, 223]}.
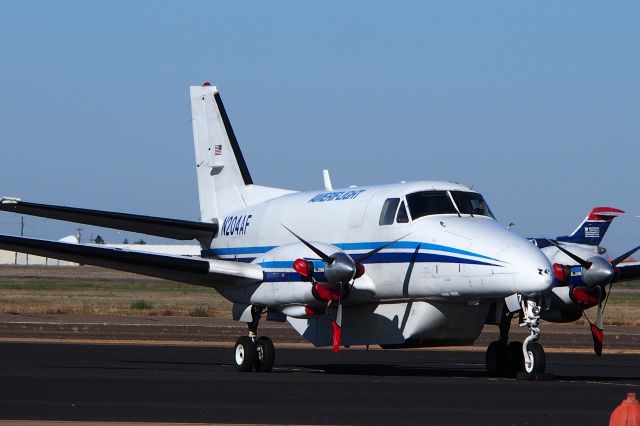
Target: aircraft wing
{"type": "Point", "coordinates": [628, 271]}
{"type": "Point", "coordinates": [158, 226]}
{"type": "Point", "coordinates": [204, 272]}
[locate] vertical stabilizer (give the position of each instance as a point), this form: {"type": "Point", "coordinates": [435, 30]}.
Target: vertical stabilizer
{"type": "Point", "coordinates": [221, 170]}
{"type": "Point", "coordinates": [592, 229]}
{"type": "Point", "coordinates": [224, 181]}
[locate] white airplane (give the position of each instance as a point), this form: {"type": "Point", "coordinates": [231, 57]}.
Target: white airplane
{"type": "Point", "coordinates": [404, 265]}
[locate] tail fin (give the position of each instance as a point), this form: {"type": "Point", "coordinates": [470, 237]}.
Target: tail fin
{"type": "Point", "coordinates": [592, 229]}
{"type": "Point", "coordinates": [224, 181]}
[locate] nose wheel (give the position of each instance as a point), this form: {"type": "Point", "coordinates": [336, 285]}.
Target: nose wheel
{"type": "Point", "coordinates": [253, 352]}
{"type": "Point", "coordinates": [504, 358]}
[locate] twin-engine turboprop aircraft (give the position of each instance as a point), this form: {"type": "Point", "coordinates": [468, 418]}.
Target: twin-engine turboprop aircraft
{"type": "Point", "coordinates": [582, 272]}
{"type": "Point", "coordinates": [404, 265]}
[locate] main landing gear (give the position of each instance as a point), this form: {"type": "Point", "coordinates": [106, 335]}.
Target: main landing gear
{"type": "Point", "coordinates": [253, 352]}
{"type": "Point", "coordinates": [506, 358]}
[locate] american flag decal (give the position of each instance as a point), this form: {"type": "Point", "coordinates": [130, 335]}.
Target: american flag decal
{"type": "Point", "coordinates": [591, 232]}
{"type": "Point", "coordinates": [217, 150]}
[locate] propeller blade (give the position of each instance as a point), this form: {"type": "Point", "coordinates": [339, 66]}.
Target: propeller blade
{"type": "Point", "coordinates": [597, 329]}
{"type": "Point", "coordinates": [619, 259]}
{"type": "Point", "coordinates": [367, 255]}
{"type": "Point", "coordinates": [337, 335]}
{"type": "Point", "coordinates": [323, 256]}
{"type": "Point", "coordinates": [585, 264]}
{"type": "Point", "coordinates": [598, 337]}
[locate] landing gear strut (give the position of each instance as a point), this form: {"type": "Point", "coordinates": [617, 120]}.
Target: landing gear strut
{"type": "Point", "coordinates": [504, 358]}
{"type": "Point", "coordinates": [253, 352]}
{"type": "Point", "coordinates": [533, 354]}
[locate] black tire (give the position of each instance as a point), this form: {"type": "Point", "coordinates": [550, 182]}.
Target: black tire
{"type": "Point", "coordinates": [245, 354]}
{"type": "Point", "coordinates": [496, 358]}
{"type": "Point", "coordinates": [536, 353]}
{"type": "Point", "coordinates": [515, 358]}
{"type": "Point", "coordinates": [265, 354]}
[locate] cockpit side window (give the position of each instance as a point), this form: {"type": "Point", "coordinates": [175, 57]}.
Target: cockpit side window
{"type": "Point", "coordinates": [427, 203]}
{"type": "Point", "coordinates": [471, 203]}
{"type": "Point", "coordinates": [388, 212]}
{"type": "Point", "coordinates": [402, 216]}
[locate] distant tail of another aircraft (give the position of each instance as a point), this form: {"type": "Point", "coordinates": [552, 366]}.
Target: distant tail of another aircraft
{"type": "Point", "coordinates": [592, 229]}
{"type": "Point", "coordinates": [224, 181]}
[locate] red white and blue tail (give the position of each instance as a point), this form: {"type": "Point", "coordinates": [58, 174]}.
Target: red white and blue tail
{"type": "Point", "coordinates": [593, 228]}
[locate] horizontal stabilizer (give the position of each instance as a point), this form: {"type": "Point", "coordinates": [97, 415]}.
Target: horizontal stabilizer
{"type": "Point", "coordinates": [204, 272]}
{"type": "Point", "coordinates": [161, 227]}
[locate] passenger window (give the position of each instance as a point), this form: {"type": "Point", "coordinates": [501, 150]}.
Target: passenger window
{"type": "Point", "coordinates": [388, 211]}
{"type": "Point", "coordinates": [402, 216]}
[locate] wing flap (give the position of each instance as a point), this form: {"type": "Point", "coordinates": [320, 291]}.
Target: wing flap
{"type": "Point", "coordinates": [198, 271]}
{"type": "Point", "coordinates": [162, 227]}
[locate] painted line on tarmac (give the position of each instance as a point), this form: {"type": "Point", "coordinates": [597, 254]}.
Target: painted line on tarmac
{"type": "Point", "coordinates": [289, 345]}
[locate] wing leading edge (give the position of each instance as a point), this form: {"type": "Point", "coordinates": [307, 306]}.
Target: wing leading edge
{"type": "Point", "coordinates": [169, 228]}
{"type": "Point", "coordinates": [204, 272]}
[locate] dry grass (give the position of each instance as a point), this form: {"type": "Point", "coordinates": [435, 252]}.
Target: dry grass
{"type": "Point", "coordinates": [91, 290]}
{"type": "Point", "coordinates": [87, 290]}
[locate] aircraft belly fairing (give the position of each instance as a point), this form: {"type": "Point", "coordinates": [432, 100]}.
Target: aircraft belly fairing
{"type": "Point", "coordinates": [417, 323]}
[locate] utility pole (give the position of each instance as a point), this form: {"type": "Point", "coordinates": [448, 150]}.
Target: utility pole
{"type": "Point", "coordinates": [22, 235]}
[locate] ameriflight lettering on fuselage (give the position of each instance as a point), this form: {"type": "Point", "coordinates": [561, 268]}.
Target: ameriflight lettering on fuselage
{"type": "Point", "coordinates": [236, 225]}
{"type": "Point", "coordinates": [338, 195]}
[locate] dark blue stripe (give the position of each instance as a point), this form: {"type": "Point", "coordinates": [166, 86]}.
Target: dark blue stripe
{"type": "Point", "coordinates": [279, 277]}
{"type": "Point", "coordinates": [409, 245]}
{"type": "Point", "coordinates": [287, 276]}
{"type": "Point", "coordinates": [421, 258]}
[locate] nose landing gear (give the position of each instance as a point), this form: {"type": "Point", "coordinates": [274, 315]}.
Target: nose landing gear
{"type": "Point", "coordinates": [253, 352]}
{"type": "Point", "coordinates": [504, 358]}
{"type": "Point", "coordinates": [532, 351]}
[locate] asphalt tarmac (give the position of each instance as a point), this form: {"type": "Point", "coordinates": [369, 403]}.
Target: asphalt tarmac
{"type": "Point", "coordinates": [308, 386]}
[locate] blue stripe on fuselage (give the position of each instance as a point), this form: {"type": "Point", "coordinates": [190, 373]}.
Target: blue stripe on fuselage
{"type": "Point", "coordinates": [350, 247]}
{"type": "Point", "coordinates": [398, 257]}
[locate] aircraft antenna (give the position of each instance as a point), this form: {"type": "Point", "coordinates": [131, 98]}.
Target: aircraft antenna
{"type": "Point", "coordinates": [327, 180]}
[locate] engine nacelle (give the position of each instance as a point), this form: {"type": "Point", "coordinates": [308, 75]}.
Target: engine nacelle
{"type": "Point", "coordinates": [568, 303]}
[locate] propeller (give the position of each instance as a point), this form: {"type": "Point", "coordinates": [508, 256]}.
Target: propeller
{"type": "Point", "coordinates": [341, 269]}
{"type": "Point", "coordinates": [597, 271]}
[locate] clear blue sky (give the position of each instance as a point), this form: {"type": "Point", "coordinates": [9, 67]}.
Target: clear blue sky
{"type": "Point", "coordinates": [535, 104]}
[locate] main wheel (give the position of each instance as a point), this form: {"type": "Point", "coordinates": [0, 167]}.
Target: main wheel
{"type": "Point", "coordinates": [265, 354]}
{"type": "Point", "coordinates": [538, 361]}
{"type": "Point", "coordinates": [515, 358]}
{"type": "Point", "coordinates": [246, 354]}
{"type": "Point", "coordinates": [496, 358]}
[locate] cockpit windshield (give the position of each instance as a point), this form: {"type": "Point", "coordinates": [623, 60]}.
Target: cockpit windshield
{"type": "Point", "coordinates": [430, 202]}
{"type": "Point", "coordinates": [471, 203]}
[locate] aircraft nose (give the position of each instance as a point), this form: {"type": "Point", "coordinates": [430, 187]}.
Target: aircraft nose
{"type": "Point", "coordinates": [532, 270]}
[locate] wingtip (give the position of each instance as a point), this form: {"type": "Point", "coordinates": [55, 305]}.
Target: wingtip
{"type": "Point", "coordinates": [9, 200]}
